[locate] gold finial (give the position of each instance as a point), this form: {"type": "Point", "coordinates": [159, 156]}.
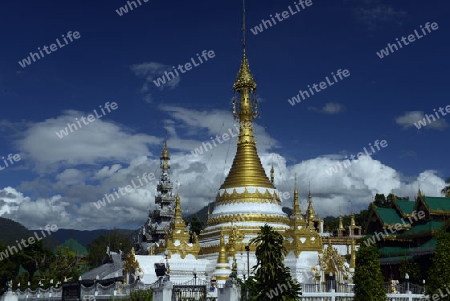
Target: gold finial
{"type": "Point", "coordinates": [295, 187]}
{"type": "Point", "coordinates": [341, 226]}
{"type": "Point", "coordinates": [165, 157]}
{"type": "Point", "coordinates": [272, 176]}
{"type": "Point", "coordinates": [352, 219]}
{"type": "Point", "coordinates": [310, 213]}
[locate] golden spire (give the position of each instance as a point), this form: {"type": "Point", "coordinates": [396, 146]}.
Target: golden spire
{"type": "Point", "coordinates": [296, 211]}
{"type": "Point", "coordinates": [341, 226]}
{"type": "Point", "coordinates": [222, 251]}
{"type": "Point", "coordinates": [353, 256]}
{"type": "Point", "coordinates": [247, 169]}
{"type": "Point", "coordinates": [310, 213]}
{"type": "Point", "coordinates": [352, 219]}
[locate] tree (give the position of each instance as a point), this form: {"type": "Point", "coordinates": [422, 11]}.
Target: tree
{"type": "Point", "coordinates": [439, 273]}
{"type": "Point", "coordinates": [412, 268]}
{"type": "Point", "coordinates": [64, 265]}
{"type": "Point", "coordinates": [35, 258]}
{"type": "Point", "coordinates": [273, 280]}
{"type": "Point", "coordinates": [368, 279]}
{"type": "Point", "coordinates": [195, 226]}
{"type": "Point", "coordinates": [446, 189]}
{"type": "Point", "coordinates": [9, 267]}
{"type": "Point", "coordinates": [116, 241]}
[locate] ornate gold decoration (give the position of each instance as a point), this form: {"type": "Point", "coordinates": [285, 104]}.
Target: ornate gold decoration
{"type": "Point", "coordinates": [177, 239]}
{"type": "Point", "coordinates": [332, 262]}
{"type": "Point", "coordinates": [251, 217]}
{"type": "Point", "coordinates": [130, 266]}
{"type": "Point", "coordinates": [232, 237]}
{"type": "Point", "coordinates": [247, 197]}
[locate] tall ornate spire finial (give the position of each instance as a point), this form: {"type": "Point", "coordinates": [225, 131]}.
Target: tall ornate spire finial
{"type": "Point", "coordinates": [247, 169]}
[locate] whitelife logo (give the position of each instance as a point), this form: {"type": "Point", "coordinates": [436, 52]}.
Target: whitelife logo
{"type": "Point", "coordinates": [284, 15]}
{"type": "Point", "coordinates": [90, 118]}
{"type": "Point", "coordinates": [411, 38]}
{"type": "Point", "coordinates": [322, 85]}
{"type": "Point", "coordinates": [188, 66]}
{"type": "Point", "coordinates": [380, 235]}
{"type": "Point", "coordinates": [124, 9]}
{"type": "Point", "coordinates": [110, 197]}
{"type": "Point", "coordinates": [423, 122]}
{"type": "Point", "coordinates": [360, 155]}
{"type": "Point", "coordinates": [27, 61]}
{"type": "Point", "coordinates": [10, 158]}
{"type": "Point", "coordinates": [11, 250]}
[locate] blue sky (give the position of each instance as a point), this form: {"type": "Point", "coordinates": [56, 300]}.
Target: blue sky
{"type": "Point", "coordinates": [117, 58]}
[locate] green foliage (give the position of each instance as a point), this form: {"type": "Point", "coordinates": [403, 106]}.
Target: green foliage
{"type": "Point", "coordinates": [116, 240]}
{"type": "Point", "coordinates": [446, 190]}
{"type": "Point", "coordinates": [248, 288]}
{"type": "Point", "coordinates": [412, 268]}
{"type": "Point", "coordinates": [195, 226]}
{"type": "Point", "coordinates": [64, 265]}
{"type": "Point", "coordinates": [273, 280]}
{"type": "Point", "coordinates": [141, 295]}
{"type": "Point", "coordinates": [9, 267]}
{"type": "Point", "coordinates": [439, 272]}
{"type": "Point", "coordinates": [368, 280]}
{"type": "Point", "coordinates": [35, 258]}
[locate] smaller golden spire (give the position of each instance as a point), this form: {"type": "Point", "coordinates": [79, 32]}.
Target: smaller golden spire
{"type": "Point", "coordinates": [222, 252]}
{"type": "Point", "coordinates": [341, 226]}
{"type": "Point", "coordinates": [353, 256]}
{"type": "Point", "coordinates": [352, 219]}
{"type": "Point", "coordinates": [311, 214]}
{"type": "Point", "coordinates": [272, 176]}
{"type": "Point", "coordinates": [296, 211]}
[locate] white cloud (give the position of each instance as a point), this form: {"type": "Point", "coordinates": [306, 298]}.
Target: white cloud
{"type": "Point", "coordinates": [375, 14]}
{"type": "Point", "coordinates": [151, 71]}
{"type": "Point", "coordinates": [329, 108]}
{"type": "Point", "coordinates": [92, 143]}
{"type": "Point", "coordinates": [65, 197]}
{"type": "Point", "coordinates": [410, 118]}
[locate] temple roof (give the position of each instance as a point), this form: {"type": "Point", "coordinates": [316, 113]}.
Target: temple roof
{"type": "Point", "coordinates": [406, 206]}
{"type": "Point", "coordinates": [74, 246]}
{"type": "Point", "coordinates": [388, 216]}
{"type": "Point", "coordinates": [437, 203]}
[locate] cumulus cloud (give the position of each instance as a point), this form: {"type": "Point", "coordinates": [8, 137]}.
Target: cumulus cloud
{"type": "Point", "coordinates": [412, 118]}
{"type": "Point", "coordinates": [85, 171]}
{"type": "Point", "coordinates": [99, 141]}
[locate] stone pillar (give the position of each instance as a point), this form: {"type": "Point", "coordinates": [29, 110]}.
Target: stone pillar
{"type": "Point", "coordinates": [231, 292]}
{"type": "Point", "coordinates": [163, 292]}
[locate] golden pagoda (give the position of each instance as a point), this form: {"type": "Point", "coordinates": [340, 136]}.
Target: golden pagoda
{"type": "Point", "coordinates": [248, 198]}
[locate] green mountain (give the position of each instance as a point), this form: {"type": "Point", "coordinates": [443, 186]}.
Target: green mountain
{"type": "Point", "coordinates": [12, 231]}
